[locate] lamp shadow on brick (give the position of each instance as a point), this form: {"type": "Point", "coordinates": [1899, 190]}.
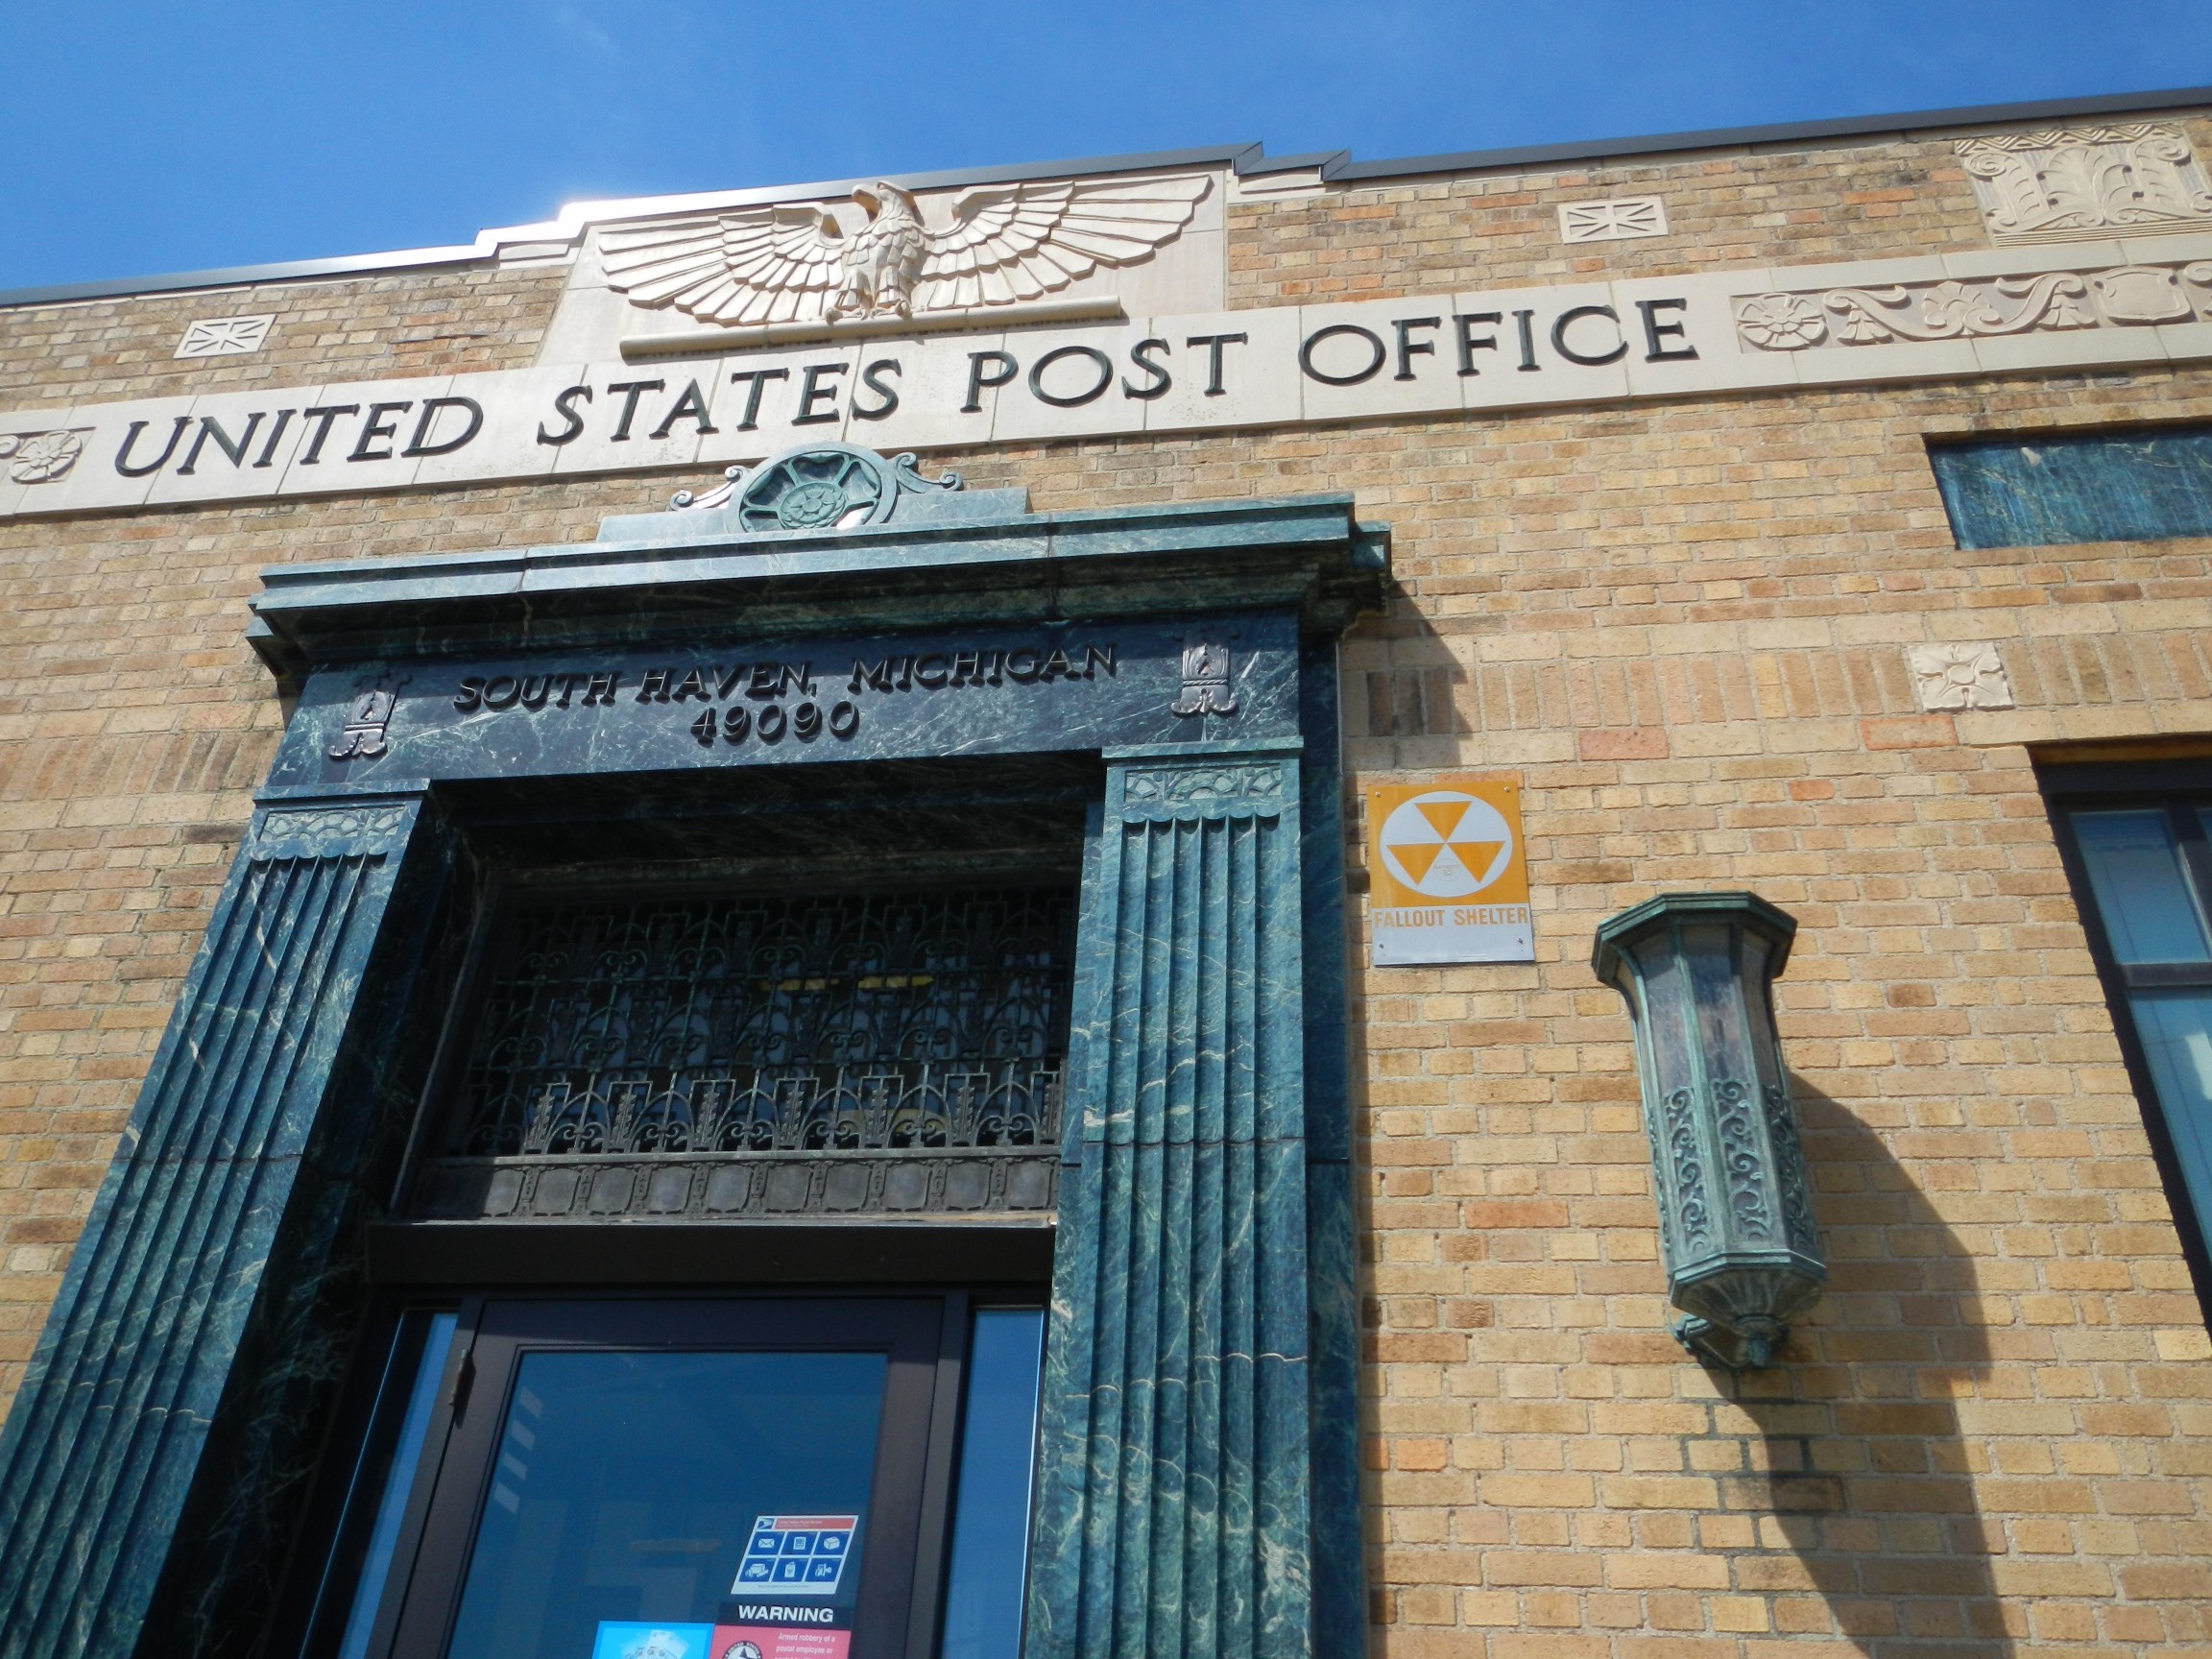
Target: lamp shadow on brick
{"type": "Point", "coordinates": [1862, 1473]}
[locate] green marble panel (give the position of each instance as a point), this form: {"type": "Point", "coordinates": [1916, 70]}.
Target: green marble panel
{"type": "Point", "coordinates": [1174, 1490]}
{"type": "Point", "coordinates": [212, 1183]}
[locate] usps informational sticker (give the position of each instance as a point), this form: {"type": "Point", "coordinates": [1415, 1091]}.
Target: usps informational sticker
{"type": "Point", "coordinates": [796, 1556]}
{"type": "Point", "coordinates": [1448, 874]}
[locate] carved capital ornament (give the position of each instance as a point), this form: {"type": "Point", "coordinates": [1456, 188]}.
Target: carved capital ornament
{"type": "Point", "coordinates": [2059, 183]}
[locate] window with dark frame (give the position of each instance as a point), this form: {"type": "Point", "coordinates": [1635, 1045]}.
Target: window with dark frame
{"type": "Point", "coordinates": [603, 1474]}
{"type": "Point", "coordinates": [590, 1477]}
{"type": "Point", "coordinates": [2140, 861]}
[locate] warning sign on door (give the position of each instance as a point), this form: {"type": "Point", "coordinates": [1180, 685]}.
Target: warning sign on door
{"type": "Point", "coordinates": [1448, 874]}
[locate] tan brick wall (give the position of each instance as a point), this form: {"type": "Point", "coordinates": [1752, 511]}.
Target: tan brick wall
{"type": "Point", "coordinates": [1685, 626]}
{"type": "Point", "coordinates": [435, 322]}
{"type": "Point", "coordinates": [1794, 203]}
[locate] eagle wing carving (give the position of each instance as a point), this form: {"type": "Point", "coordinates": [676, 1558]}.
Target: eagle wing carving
{"type": "Point", "coordinates": [1020, 242]}
{"type": "Point", "coordinates": [797, 264]}
{"type": "Point", "coordinates": [765, 265]}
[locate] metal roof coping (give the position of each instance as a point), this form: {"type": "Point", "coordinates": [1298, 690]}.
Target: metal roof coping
{"type": "Point", "coordinates": [1245, 161]}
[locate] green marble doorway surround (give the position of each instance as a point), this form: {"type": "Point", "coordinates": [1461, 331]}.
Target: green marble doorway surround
{"type": "Point", "coordinates": [1197, 1487]}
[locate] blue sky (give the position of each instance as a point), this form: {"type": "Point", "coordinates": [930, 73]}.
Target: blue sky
{"type": "Point", "coordinates": [142, 137]}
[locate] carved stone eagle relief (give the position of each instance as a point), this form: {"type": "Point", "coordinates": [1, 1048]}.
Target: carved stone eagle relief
{"type": "Point", "coordinates": [800, 264]}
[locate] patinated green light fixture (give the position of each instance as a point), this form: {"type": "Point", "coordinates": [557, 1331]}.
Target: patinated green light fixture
{"type": "Point", "coordinates": [1735, 1215]}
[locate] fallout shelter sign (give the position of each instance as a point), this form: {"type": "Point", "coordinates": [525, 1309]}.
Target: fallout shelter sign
{"type": "Point", "coordinates": [1449, 873]}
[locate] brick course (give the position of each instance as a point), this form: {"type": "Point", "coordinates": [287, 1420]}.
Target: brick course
{"type": "Point", "coordinates": [390, 326]}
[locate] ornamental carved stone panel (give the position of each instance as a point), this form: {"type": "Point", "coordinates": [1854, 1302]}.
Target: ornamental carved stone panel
{"type": "Point", "coordinates": [1957, 675]}
{"type": "Point", "coordinates": [40, 457]}
{"type": "Point", "coordinates": [2122, 297]}
{"type": "Point", "coordinates": [1617, 219]}
{"type": "Point", "coordinates": [2071, 182]}
{"type": "Point", "coordinates": [224, 336]}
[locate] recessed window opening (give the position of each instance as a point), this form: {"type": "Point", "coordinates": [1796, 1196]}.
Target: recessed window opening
{"type": "Point", "coordinates": [2146, 485]}
{"type": "Point", "coordinates": [2140, 861]}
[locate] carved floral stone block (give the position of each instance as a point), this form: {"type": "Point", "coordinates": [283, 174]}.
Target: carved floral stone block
{"type": "Point", "coordinates": [1781, 321]}
{"type": "Point", "coordinates": [2068, 181]}
{"type": "Point", "coordinates": [1963, 676]}
{"type": "Point", "coordinates": [40, 457]}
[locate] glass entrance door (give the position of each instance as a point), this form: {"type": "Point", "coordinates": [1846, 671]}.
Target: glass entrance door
{"type": "Point", "coordinates": [674, 1479]}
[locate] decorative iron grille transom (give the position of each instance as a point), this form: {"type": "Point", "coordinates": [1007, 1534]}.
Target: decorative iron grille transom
{"type": "Point", "coordinates": [838, 1052]}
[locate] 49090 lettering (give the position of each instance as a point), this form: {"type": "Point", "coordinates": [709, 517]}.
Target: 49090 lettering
{"type": "Point", "coordinates": [805, 722]}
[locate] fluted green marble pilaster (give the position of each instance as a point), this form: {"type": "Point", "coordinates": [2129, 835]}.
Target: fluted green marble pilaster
{"type": "Point", "coordinates": [1174, 1513]}
{"type": "Point", "coordinates": [1332, 1228]}
{"type": "Point", "coordinates": [102, 1449]}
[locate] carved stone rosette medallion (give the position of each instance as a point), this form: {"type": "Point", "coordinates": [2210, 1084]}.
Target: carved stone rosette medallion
{"type": "Point", "coordinates": [40, 457]}
{"type": "Point", "coordinates": [1961, 676]}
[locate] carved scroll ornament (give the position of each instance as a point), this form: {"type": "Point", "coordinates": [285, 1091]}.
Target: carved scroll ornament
{"type": "Point", "coordinates": [816, 487]}
{"type": "Point", "coordinates": [1953, 310]}
{"type": "Point", "coordinates": [342, 829]}
{"type": "Point", "coordinates": [2128, 296]}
